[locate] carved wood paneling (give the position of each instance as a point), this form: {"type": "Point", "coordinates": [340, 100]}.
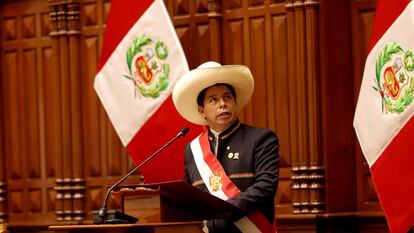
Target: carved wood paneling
{"type": "Point", "coordinates": [337, 106]}
{"type": "Point", "coordinates": [69, 183]}
{"type": "Point", "coordinates": [257, 38]}
{"type": "Point", "coordinates": [363, 13]}
{"type": "Point", "coordinates": [315, 170]}
{"type": "Point", "coordinates": [192, 24]}
{"type": "Point", "coordinates": [291, 101]}
{"type": "Point", "coordinates": [281, 112]}
{"type": "Point", "coordinates": [203, 38]}
{"type": "Point", "coordinates": [51, 100]}
{"type": "Point", "coordinates": [3, 200]}
{"type": "Point", "coordinates": [304, 99]}
{"type": "Point", "coordinates": [257, 113]}
{"type": "Point", "coordinates": [182, 7]}
{"type": "Point", "coordinates": [22, 81]}
{"type": "Point", "coordinates": [3, 180]}
{"type": "Point", "coordinates": [202, 6]}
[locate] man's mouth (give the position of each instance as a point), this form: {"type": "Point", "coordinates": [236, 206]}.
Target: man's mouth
{"type": "Point", "coordinates": [224, 114]}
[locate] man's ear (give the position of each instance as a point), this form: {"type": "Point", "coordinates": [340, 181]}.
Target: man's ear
{"type": "Point", "coordinates": [201, 110]}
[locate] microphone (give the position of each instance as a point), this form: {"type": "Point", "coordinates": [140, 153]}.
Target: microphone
{"type": "Point", "coordinates": [102, 216]}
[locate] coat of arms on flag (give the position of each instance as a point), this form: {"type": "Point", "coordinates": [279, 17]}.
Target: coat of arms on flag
{"type": "Point", "coordinates": [147, 67]}
{"type": "Point", "coordinates": [394, 77]}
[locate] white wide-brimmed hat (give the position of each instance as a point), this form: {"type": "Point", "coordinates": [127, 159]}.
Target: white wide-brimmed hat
{"type": "Point", "coordinates": [189, 86]}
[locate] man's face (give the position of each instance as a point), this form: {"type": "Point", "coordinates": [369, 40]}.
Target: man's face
{"type": "Point", "coordinates": [219, 108]}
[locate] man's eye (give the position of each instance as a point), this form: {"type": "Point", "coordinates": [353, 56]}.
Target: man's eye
{"type": "Point", "coordinates": [213, 100]}
{"type": "Point", "coordinates": [228, 97]}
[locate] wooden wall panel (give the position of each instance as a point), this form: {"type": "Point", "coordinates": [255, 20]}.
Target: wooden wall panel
{"type": "Point", "coordinates": [51, 113]}
{"type": "Point", "coordinates": [256, 110]}
{"type": "Point", "coordinates": [26, 61]}
{"type": "Point", "coordinates": [281, 108]}
{"type": "Point", "coordinates": [337, 106]}
{"type": "Point", "coordinates": [31, 112]}
{"type": "Point", "coordinates": [203, 39]}
{"type": "Point", "coordinates": [363, 13]}
{"type": "Point", "coordinates": [11, 124]}
{"type": "Point", "coordinates": [234, 41]}
{"type": "Point", "coordinates": [91, 110]}
{"type": "Point", "coordinates": [3, 177]}
{"type": "Point", "coordinates": [193, 28]}
{"type": "Point", "coordinates": [254, 33]}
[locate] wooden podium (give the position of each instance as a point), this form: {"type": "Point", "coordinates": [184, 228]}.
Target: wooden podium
{"type": "Point", "coordinates": [164, 207]}
{"type": "Point", "coordinates": [172, 227]}
{"type": "Point", "coordinates": [172, 202]}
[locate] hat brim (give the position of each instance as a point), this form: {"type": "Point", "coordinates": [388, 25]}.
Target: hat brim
{"type": "Point", "coordinates": [189, 86]}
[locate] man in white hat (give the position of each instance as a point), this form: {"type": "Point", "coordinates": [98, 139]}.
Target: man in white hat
{"type": "Point", "coordinates": [230, 160]}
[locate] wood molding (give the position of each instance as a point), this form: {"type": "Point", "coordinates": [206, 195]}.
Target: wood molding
{"type": "Point", "coordinates": [307, 164]}
{"type": "Point", "coordinates": [3, 162]}
{"type": "Point", "coordinates": [214, 15]}
{"type": "Point", "coordinates": [65, 33]}
{"type": "Point", "coordinates": [316, 175]}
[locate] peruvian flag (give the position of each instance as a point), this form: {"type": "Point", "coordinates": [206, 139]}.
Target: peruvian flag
{"type": "Point", "coordinates": [384, 120]}
{"type": "Point", "coordinates": [141, 61]}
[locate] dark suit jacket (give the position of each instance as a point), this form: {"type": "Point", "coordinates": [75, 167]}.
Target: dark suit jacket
{"type": "Point", "coordinates": [250, 157]}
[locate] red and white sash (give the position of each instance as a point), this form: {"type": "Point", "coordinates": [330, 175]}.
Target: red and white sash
{"type": "Point", "coordinates": [220, 185]}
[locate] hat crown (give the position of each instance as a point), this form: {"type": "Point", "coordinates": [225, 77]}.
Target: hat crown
{"type": "Point", "coordinates": [189, 86]}
{"type": "Point", "coordinates": [209, 64]}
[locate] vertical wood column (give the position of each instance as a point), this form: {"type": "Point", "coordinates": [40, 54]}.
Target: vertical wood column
{"type": "Point", "coordinates": [65, 110]}
{"type": "Point", "coordinates": [291, 38]}
{"type": "Point", "coordinates": [301, 170]}
{"type": "Point", "coordinates": [307, 170]}
{"type": "Point", "coordinates": [54, 34]}
{"type": "Point", "coordinates": [70, 186]}
{"type": "Point", "coordinates": [78, 182]}
{"type": "Point", "coordinates": [316, 170]}
{"type": "Point", "coordinates": [3, 186]}
{"type": "Point", "coordinates": [214, 15]}
{"type": "Point", "coordinates": [3, 195]}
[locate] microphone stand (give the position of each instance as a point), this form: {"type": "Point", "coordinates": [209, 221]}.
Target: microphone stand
{"type": "Point", "coordinates": [102, 216]}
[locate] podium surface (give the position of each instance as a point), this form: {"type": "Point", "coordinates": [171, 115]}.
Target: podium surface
{"type": "Point", "coordinates": [173, 201]}
{"type": "Point", "coordinates": [161, 208]}
{"type": "Point", "coordinates": [170, 227]}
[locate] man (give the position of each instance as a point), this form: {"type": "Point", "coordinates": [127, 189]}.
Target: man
{"type": "Point", "coordinates": [230, 160]}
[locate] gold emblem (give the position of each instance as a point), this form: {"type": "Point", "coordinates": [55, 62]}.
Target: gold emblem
{"type": "Point", "coordinates": [215, 181]}
{"type": "Point", "coordinates": [230, 155]}
{"type": "Point", "coordinates": [3, 227]}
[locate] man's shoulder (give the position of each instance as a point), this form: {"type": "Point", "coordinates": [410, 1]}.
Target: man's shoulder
{"type": "Point", "coordinates": [256, 130]}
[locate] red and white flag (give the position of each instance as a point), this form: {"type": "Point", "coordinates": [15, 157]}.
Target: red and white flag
{"type": "Point", "coordinates": [140, 63]}
{"type": "Point", "coordinates": [384, 120]}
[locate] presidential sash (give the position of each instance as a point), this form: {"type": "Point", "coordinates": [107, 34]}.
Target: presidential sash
{"type": "Point", "coordinates": [220, 185]}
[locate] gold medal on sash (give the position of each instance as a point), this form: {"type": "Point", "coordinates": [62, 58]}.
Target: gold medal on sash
{"type": "Point", "coordinates": [3, 228]}
{"type": "Point", "coordinates": [215, 181]}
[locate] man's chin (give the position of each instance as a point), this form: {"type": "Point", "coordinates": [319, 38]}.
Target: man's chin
{"type": "Point", "coordinates": [226, 121]}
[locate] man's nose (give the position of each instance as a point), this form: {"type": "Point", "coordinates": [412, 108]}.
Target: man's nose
{"type": "Point", "coordinates": [222, 102]}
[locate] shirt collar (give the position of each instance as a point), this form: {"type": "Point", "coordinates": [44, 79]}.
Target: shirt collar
{"type": "Point", "coordinates": [227, 132]}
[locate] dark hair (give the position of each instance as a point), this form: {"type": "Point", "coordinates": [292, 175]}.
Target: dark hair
{"type": "Point", "coordinates": [200, 97]}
